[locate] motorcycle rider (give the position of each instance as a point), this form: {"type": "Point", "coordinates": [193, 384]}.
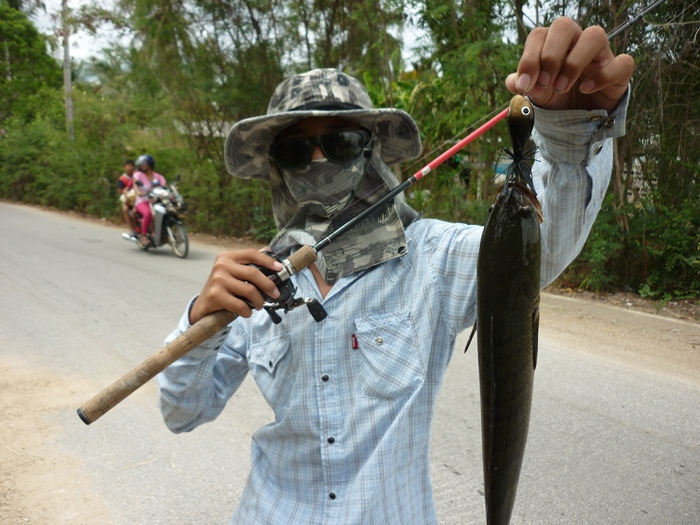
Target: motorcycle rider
{"type": "Point", "coordinates": [144, 180]}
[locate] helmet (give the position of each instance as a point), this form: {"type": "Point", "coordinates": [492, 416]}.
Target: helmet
{"type": "Point", "coordinates": [146, 159]}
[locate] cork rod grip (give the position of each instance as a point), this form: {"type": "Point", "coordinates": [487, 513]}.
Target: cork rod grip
{"type": "Point", "coordinates": [302, 258]}
{"type": "Point", "coordinates": [111, 396]}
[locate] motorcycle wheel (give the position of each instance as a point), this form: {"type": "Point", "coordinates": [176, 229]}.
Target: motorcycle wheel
{"type": "Point", "coordinates": [177, 237]}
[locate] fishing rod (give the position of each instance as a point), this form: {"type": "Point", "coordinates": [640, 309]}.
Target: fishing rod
{"type": "Point", "coordinates": [450, 152]}
{"type": "Point", "coordinates": [634, 19]}
{"type": "Point", "coordinates": [389, 196]}
{"type": "Point", "coordinates": [213, 323]}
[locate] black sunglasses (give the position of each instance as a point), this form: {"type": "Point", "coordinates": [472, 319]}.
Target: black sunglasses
{"type": "Point", "coordinates": [337, 146]}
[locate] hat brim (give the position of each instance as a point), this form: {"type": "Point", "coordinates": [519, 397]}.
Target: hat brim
{"type": "Point", "coordinates": [247, 148]}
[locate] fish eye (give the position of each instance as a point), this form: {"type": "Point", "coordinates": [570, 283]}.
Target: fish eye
{"type": "Point", "coordinates": [526, 111]}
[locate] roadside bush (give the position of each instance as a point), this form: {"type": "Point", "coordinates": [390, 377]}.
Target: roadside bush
{"type": "Point", "coordinates": [659, 257]}
{"type": "Point", "coordinates": [666, 242]}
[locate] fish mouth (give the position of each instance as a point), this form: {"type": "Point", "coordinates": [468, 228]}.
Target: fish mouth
{"type": "Point", "coordinates": [527, 198]}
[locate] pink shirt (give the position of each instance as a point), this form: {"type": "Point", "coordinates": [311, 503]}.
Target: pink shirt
{"type": "Point", "coordinates": [147, 184]}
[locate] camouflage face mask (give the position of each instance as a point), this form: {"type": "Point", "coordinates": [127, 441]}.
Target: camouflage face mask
{"type": "Point", "coordinates": [323, 186]}
{"type": "Point", "coordinates": [378, 238]}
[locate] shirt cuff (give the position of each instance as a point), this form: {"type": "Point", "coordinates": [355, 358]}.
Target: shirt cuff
{"type": "Point", "coordinates": [211, 345]}
{"type": "Point", "coordinates": [576, 136]}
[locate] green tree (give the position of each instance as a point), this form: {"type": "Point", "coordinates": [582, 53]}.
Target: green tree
{"type": "Point", "coordinates": [25, 67]}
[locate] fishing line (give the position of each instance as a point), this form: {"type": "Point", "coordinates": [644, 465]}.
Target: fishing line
{"type": "Point", "coordinates": [498, 110]}
{"type": "Point", "coordinates": [411, 180]}
{"type": "Point", "coordinates": [419, 160]}
{"type": "Point", "coordinates": [501, 113]}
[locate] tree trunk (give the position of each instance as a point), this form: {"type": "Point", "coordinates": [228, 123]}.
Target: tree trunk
{"type": "Point", "coordinates": [67, 70]}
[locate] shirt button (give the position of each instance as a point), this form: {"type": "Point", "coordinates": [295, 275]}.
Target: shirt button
{"type": "Point", "coordinates": [325, 377]}
{"type": "Point", "coordinates": [331, 495]}
{"type": "Point", "coordinates": [380, 340]}
{"type": "Point", "coordinates": [598, 150]}
{"type": "Point", "coordinates": [331, 440]}
{"type": "Point", "coordinates": [595, 118]}
{"type": "Point", "coordinates": [609, 123]}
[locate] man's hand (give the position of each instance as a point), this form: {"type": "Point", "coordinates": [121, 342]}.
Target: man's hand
{"type": "Point", "coordinates": [232, 280]}
{"type": "Point", "coordinates": [566, 67]}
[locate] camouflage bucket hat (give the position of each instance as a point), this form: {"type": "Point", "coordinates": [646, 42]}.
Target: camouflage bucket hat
{"type": "Point", "coordinates": [317, 93]}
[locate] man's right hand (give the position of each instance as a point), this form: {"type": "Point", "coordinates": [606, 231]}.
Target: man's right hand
{"type": "Point", "coordinates": [231, 280]}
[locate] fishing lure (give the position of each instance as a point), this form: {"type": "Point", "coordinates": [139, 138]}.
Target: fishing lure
{"type": "Point", "coordinates": [520, 120]}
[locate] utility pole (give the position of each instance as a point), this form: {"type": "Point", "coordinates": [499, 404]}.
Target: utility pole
{"type": "Point", "coordinates": [67, 70]}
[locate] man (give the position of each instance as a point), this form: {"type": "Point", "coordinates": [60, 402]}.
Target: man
{"type": "Point", "coordinates": [127, 194]}
{"type": "Point", "coordinates": [354, 395]}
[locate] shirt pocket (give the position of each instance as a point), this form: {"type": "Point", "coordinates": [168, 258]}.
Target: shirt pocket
{"type": "Point", "coordinates": [390, 362]}
{"type": "Point", "coordinates": [273, 372]}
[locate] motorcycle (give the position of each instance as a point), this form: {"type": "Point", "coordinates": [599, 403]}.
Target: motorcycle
{"type": "Point", "coordinates": [166, 226]}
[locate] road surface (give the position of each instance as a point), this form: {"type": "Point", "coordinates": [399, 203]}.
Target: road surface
{"type": "Point", "coordinates": [614, 434]}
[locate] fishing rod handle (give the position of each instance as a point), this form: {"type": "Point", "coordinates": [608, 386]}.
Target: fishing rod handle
{"type": "Point", "coordinates": [300, 259]}
{"type": "Point", "coordinates": [202, 330]}
{"type": "Point", "coordinates": [127, 384]}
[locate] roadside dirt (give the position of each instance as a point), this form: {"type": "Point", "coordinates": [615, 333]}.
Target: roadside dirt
{"type": "Point", "coordinates": [35, 476]}
{"type": "Point", "coordinates": [633, 335]}
{"type": "Point", "coordinates": [686, 309]}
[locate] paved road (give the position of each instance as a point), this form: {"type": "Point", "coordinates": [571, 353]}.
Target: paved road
{"type": "Point", "coordinates": [615, 429]}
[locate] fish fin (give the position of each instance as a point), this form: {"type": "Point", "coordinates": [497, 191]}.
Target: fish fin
{"type": "Point", "coordinates": [471, 336]}
{"type": "Point", "coordinates": [535, 335]}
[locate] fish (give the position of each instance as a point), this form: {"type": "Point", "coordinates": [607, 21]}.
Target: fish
{"type": "Point", "coordinates": [508, 296]}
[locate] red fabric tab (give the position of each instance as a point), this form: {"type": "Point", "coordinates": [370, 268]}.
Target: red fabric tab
{"type": "Point", "coordinates": [355, 346]}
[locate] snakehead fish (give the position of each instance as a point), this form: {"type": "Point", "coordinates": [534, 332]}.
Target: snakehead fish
{"type": "Point", "coordinates": [508, 295]}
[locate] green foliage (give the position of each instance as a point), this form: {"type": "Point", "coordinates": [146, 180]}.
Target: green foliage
{"type": "Point", "coordinates": [192, 69]}
{"type": "Point", "coordinates": [38, 166]}
{"type": "Point", "coordinates": [25, 67]}
{"type": "Point", "coordinates": [666, 241]}
{"type": "Point", "coordinates": [659, 257]}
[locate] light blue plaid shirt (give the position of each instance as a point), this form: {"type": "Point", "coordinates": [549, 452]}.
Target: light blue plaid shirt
{"type": "Point", "coordinates": [354, 395]}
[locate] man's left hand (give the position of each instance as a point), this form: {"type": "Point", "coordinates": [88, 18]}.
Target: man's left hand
{"type": "Point", "coordinates": [566, 67]}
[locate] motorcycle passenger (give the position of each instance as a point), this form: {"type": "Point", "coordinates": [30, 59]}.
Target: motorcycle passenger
{"type": "Point", "coordinates": [127, 194]}
{"type": "Point", "coordinates": [148, 178]}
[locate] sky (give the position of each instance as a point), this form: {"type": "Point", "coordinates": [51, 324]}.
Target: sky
{"type": "Point", "coordinates": [85, 46]}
